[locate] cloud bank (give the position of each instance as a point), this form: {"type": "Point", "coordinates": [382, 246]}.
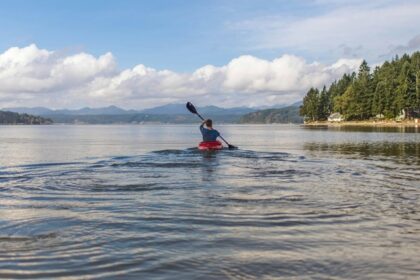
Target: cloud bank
{"type": "Point", "coordinates": [31, 76]}
{"type": "Point", "coordinates": [337, 29]}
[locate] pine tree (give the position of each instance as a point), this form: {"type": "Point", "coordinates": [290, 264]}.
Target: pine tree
{"type": "Point", "coordinates": [310, 106]}
{"type": "Point", "coordinates": [323, 105]}
{"type": "Point", "coordinates": [391, 87]}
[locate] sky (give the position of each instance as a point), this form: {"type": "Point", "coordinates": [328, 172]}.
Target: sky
{"type": "Point", "coordinates": [140, 54]}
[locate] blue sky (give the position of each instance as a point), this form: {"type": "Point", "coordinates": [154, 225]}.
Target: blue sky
{"type": "Point", "coordinates": [179, 35]}
{"type": "Point", "coordinates": [183, 36]}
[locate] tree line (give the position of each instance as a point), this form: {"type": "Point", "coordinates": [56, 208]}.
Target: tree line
{"type": "Point", "coordinates": [392, 88]}
{"type": "Point", "coordinates": [15, 118]}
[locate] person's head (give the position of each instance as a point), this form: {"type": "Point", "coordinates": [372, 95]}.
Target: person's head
{"type": "Point", "coordinates": [209, 123]}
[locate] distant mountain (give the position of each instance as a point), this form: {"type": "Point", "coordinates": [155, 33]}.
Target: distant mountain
{"type": "Point", "coordinates": [297, 103]}
{"type": "Point", "coordinates": [279, 106]}
{"type": "Point", "coordinates": [288, 114]}
{"type": "Point", "coordinates": [110, 110]}
{"type": "Point", "coordinates": [174, 109]}
{"type": "Point", "coordinates": [140, 118]}
{"type": "Point", "coordinates": [170, 113]}
{"type": "Point", "coordinates": [16, 118]}
{"type": "Point", "coordinates": [169, 109]}
{"type": "Point", "coordinates": [213, 110]}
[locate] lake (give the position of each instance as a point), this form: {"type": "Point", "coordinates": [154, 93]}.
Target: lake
{"type": "Point", "coordinates": [141, 202]}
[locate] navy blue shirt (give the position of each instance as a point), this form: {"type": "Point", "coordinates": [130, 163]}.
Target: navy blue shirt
{"type": "Point", "coordinates": [209, 134]}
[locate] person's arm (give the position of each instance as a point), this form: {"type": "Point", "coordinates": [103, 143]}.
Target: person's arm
{"type": "Point", "coordinates": [202, 125]}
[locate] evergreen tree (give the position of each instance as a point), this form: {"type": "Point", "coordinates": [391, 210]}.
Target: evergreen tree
{"type": "Point", "coordinates": [379, 101]}
{"type": "Point", "coordinates": [323, 105]}
{"type": "Point", "coordinates": [391, 88]}
{"type": "Point", "coordinates": [310, 106]}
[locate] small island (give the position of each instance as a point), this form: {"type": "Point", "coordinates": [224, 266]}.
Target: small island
{"type": "Point", "coordinates": [388, 96]}
{"type": "Point", "coordinates": [24, 119]}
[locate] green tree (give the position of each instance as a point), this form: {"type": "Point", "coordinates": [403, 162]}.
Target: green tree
{"type": "Point", "coordinates": [310, 106]}
{"type": "Point", "coordinates": [323, 105]}
{"type": "Point", "coordinates": [361, 97]}
{"type": "Point", "coordinates": [379, 101]}
{"type": "Point", "coordinates": [392, 87]}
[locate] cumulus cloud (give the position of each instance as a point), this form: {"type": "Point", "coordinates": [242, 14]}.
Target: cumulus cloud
{"type": "Point", "coordinates": [31, 76]}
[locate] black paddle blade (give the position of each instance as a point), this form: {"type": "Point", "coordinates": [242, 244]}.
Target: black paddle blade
{"type": "Point", "coordinates": [191, 108]}
{"type": "Point", "coordinates": [231, 147]}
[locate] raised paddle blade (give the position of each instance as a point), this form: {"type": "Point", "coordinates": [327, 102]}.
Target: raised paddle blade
{"type": "Point", "coordinates": [191, 108]}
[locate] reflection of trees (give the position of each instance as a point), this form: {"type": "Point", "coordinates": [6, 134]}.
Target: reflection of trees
{"type": "Point", "coordinates": [351, 128]}
{"type": "Point", "coordinates": [407, 152]}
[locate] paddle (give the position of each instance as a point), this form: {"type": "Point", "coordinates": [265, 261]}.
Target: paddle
{"type": "Point", "coordinates": [192, 109]}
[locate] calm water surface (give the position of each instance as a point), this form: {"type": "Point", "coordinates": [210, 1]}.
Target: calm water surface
{"type": "Point", "coordinates": [140, 202]}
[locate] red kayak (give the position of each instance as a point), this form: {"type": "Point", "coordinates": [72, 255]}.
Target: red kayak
{"type": "Point", "coordinates": [210, 145]}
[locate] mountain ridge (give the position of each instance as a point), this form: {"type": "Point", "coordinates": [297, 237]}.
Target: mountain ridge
{"type": "Point", "coordinates": [289, 114]}
{"type": "Point", "coordinates": [168, 109]}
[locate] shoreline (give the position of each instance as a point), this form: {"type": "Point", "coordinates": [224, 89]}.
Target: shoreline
{"type": "Point", "coordinates": [410, 123]}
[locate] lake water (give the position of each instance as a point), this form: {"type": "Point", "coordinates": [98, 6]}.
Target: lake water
{"type": "Point", "coordinates": [140, 202]}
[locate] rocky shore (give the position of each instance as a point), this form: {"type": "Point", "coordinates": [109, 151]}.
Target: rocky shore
{"type": "Point", "coordinates": [383, 123]}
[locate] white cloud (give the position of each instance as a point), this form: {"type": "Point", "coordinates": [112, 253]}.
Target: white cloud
{"type": "Point", "coordinates": [31, 76]}
{"type": "Point", "coordinates": [341, 26]}
{"type": "Point", "coordinates": [33, 70]}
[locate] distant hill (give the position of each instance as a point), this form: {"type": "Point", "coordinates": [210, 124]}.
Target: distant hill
{"type": "Point", "coordinates": [279, 106]}
{"type": "Point", "coordinates": [16, 118]}
{"type": "Point", "coordinates": [140, 118]}
{"type": "Point", "coordinates": [288, 114]}
{"type": "Point", "coordinates": [174, 109]}
{"type": "Point", "coordinates": [169, 109]}
{"type": "Point", "coordinates": [170, 113]}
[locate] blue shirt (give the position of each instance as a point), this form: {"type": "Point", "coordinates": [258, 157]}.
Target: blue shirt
{"type": "Point", "coordinates": [209, 134]}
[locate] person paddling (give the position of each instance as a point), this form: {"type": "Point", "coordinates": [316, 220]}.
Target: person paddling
{"type": "Point", "coordinates": [209, 134]}
{"type": "Point", "coordinates": [214, 133]}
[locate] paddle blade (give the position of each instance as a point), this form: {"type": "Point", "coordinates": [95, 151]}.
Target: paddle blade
{"type": "Point", "coordinates": [191, 108]}
{"type": "Point", "coordinates": [231, 147]}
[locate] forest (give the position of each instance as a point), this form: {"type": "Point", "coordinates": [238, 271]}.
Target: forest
{"type": "Point", "coordinates": [15, 118]}
{"type": "Point", "coordinates": [390, 91]}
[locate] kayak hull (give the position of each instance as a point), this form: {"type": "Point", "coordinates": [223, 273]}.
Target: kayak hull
{"type": "Point", "coordinates": [210, 146]}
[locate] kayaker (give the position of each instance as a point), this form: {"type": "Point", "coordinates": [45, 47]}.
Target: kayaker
{"type": "Point", "coordinates": [209, 134]}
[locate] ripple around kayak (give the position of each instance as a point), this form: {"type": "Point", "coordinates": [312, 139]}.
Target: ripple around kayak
{"type": "Point", "coordinates": [184, 214]}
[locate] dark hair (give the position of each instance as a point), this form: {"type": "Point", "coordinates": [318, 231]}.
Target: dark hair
{"type": "Point", "coordinates": [209, 123]}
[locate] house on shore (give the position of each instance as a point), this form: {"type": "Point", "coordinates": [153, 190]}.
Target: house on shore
{"type": "Point", "coordinates": [335, 117]}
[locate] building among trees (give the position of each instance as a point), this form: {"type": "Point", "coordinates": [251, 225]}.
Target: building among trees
{"type": "Point", "coordinates": [335, 117]}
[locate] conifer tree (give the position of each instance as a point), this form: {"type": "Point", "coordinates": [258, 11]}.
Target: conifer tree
{"type": "Point", "coordinates": [310, 106]}
{"type": "Point", "coordinates": [392, 87]}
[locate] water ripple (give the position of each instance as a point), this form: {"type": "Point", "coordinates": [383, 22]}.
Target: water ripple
{"type": "Point", "coordinates": [183, 214]}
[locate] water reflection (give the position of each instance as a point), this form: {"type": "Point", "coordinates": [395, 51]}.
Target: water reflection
{"type": "Point", "coordinates": [183, 214]}
{"type": "Point", "coordinates": [298, 208]}
{"type": "Point", "coordinates": [353, 128]}
{"type": "Point", "coordinates": [210, 165]}
{"type": "Point", "coordinates": [404, 152]}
